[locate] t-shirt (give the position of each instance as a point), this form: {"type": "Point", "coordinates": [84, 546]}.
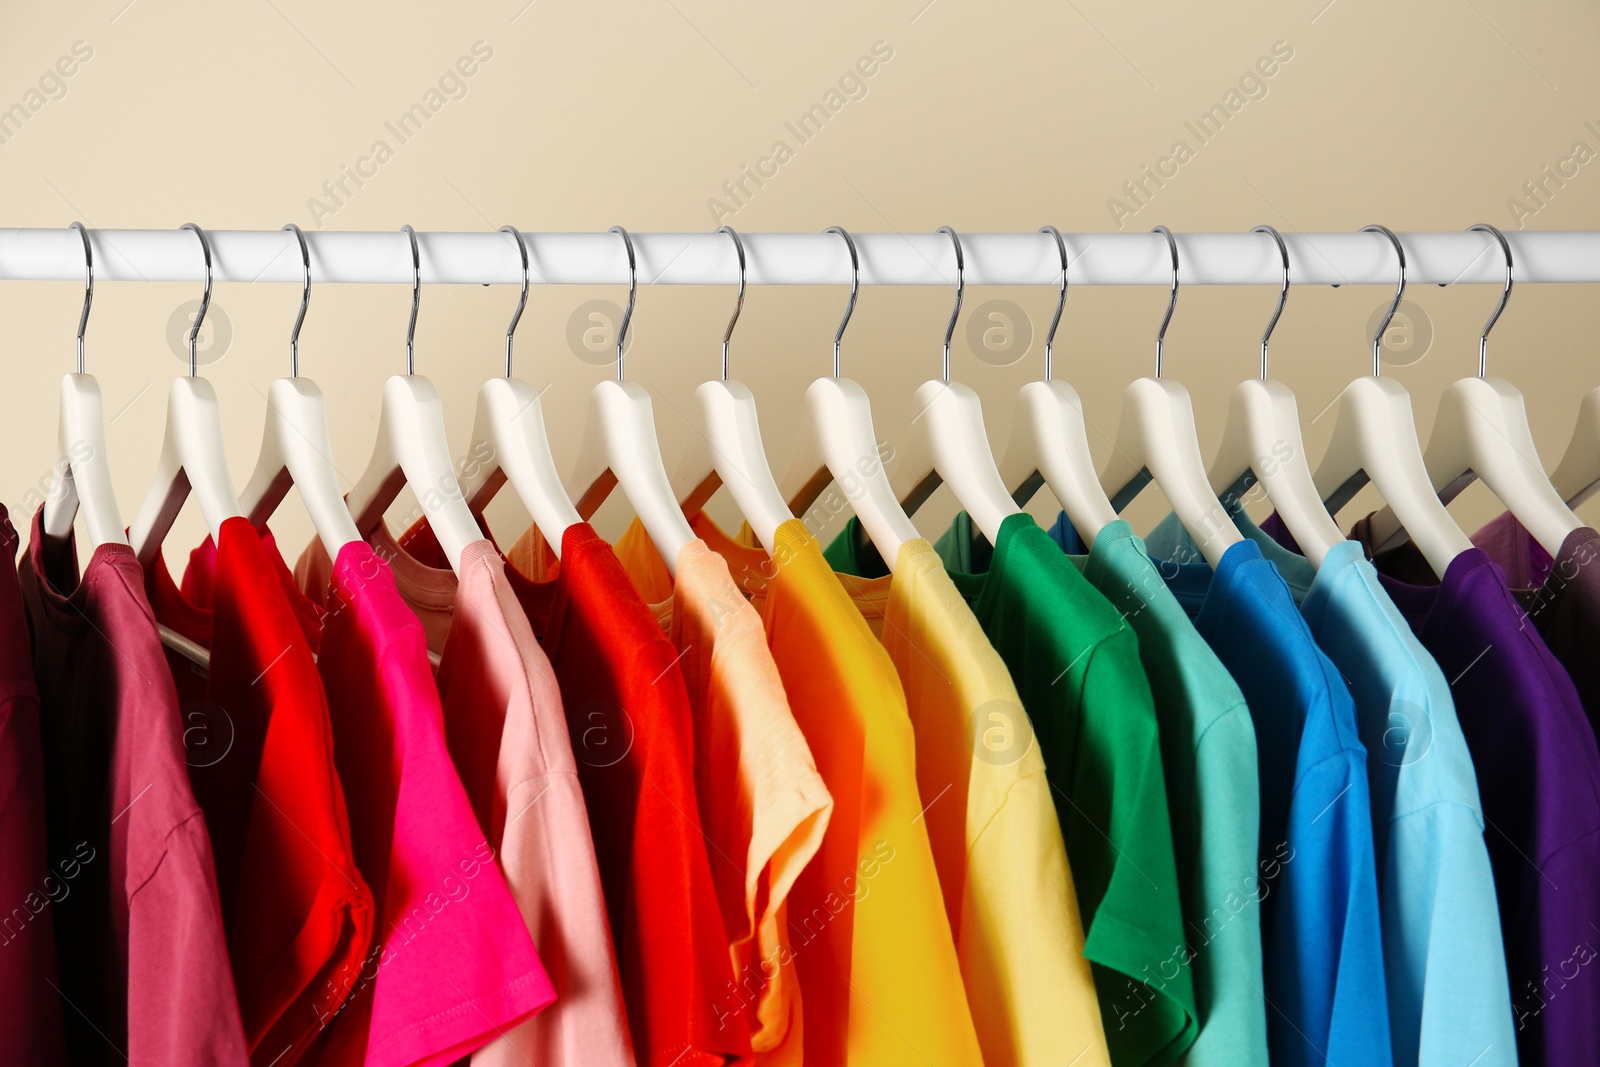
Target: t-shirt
{"type": "Point", "coordinates": [297, 912]}
{"type": "Point", "coordinates": [1208, 751]}
{"type": "Point", "coordinates": [629, 722]}
{"type": "Point", "coordinates": [31, 880]}
{"type": "Point", "coordinates": [451, 964]}
{"type": "Point", "coordinates": [1075, 663]}
{"type": "Point", "coordinates": [141, 956]}
{"type": "Point", "coordinates": [1538, 772]}
{"type": "Point", "coordinates": [879, 976]}
{"type": "Point", "coordinates": [991, 820]}
{"type": "Point", "coordinates": [1316, 879]}
{"type": "Point", "coordinates": [1447, 992]}
{"type": "Point", "coordinates": [763, 806]}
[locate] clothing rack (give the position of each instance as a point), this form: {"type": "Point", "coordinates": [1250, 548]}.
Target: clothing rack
{"type": "Point", "coordinates": [485, 258]}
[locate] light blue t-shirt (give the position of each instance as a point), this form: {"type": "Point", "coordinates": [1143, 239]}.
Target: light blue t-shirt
{"type": "Point", "coordinates": [1317, 880]}
{"type": "Point", "coordinates": [1449, 998]}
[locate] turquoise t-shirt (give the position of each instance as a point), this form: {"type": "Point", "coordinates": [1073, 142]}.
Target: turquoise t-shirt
{"type": "Point", "coordinates": [1322, 941]}
{"type": "Point", "coordinates": [1449, 997]}
{"type": "Point", "coordinates": [1208, 751]}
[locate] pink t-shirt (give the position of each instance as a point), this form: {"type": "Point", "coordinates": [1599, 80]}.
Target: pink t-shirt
{"type": "Point", "coordinates": [451, 965]}
{"type": "Point", "coordinates": [507, 733]}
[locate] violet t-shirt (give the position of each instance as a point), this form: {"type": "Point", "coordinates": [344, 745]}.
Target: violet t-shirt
{"type": "Point", "coordinates": [139, 942]}
{"type": "Point", "coordinates": [451, 964]}
{"type": "Point", "coordinates": [31, 880]}
{"type": "Point", "coordinates": [1539, 777]}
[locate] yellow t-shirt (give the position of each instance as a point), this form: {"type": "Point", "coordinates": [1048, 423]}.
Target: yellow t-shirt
{"type": "Point", "coordinates": [763, 806]}
{"type": "Point", "coordinates": [879, 976]}
{"type": "Point", "coordinates": [996, 839]}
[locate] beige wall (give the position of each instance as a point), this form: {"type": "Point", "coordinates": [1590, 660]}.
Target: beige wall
{"type": "Point", "coordinates": [984, 116]}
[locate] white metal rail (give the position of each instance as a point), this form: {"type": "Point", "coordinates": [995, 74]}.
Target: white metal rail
{"type": "Point", "coordinates": [800, 258]}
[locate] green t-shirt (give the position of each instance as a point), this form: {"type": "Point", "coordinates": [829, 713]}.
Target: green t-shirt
{"type": "Point", "coordinates": [1076, 666]}
{"type": "Point", "coordinates": [1208, 750]}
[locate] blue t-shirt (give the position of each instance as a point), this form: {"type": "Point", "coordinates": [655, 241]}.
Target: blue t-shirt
{"type": "Point", "coordinates": [1449, 997]}
{"type": "Point", "coordinates": [1319, 910]}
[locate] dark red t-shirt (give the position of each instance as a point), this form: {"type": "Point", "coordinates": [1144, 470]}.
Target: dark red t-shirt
{"type": "Point", "coordinates": [298, 913]}
{"type": "Point", "coordinates": [139, 941]}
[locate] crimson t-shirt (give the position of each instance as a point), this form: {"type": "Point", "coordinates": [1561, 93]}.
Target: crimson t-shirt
{"type": "Point", "coordinates": [298, 913]}
{"type": "Point", "coordinates": [628, 719]}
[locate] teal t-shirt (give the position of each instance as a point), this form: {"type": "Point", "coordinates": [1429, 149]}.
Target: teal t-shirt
{"type": "Point", "coordinates": [1208, 750]}
{"type": "Point", "coordinates": [1444, 958]}
{"type": "Point", "coordinates": [1075, 663]}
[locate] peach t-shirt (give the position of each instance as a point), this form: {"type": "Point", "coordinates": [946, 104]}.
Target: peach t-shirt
{"type": "Point", "coordinates": [763, 805]}
{"type": "Point", "coordinates": [507, 735]}
{"type": "Point", "coordinates": [867, 925]}
{"type": "Point", "coordinates": [996, 838]}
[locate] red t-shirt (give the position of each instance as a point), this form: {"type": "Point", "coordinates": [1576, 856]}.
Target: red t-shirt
{"type": "Point", "coordinates": [628, 719]}
{"type": "Point", "coordinates": [142, 957]}
{"type": "Point", "coordinates": [298, 914]}
{"type": "Point", "coordinates": [451, 964]}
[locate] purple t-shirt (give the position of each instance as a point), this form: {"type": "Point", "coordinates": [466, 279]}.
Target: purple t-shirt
{"type": "Point", "coordinates": [30, 881]}
{"type": "Point", "coordinates": [1539, 778]}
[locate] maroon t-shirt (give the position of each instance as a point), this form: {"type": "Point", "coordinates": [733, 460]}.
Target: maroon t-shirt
{"type": "Point", "coordinates": [31, 880]}
{"type": "Point", "coordinates": [141, 956]}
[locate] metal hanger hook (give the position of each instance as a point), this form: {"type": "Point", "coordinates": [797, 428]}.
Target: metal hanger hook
{"type": "Point", "coordinates": [1061, 301]}
{"type": "Point", "coordinates": [1283, 294]}
{"type": "Point", "coordinates": [633, 292]}
{"type": "Point", "coordinates": [416, 300]}
{"type": "Point", "coordinates": [1394, 305]}
{"type": "Point", "coordinates": [205, 299]}
{"type": "Point", "coordinates": [305, 301]}
{"type": "Point", "coordinates": [961, 285]}
{"type": "Point", "coordinates": [88, 288]}
{"type": "Point", "coordinates": [738, 305]}
{"type": "Point", "coordinates": [1505, 296]}
{"type": "Point", "coordinates": [855, 291]}
{"type": "Point", "coordinates": [522, 301]}
{"type": "Point", "coordinates": [1172, 301]}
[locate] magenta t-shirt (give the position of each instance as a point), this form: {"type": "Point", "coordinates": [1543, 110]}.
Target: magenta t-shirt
{"type": "Point", "coordinates": [451, 964]}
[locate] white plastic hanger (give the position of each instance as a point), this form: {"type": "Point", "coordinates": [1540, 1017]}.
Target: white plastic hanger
{"type": "Point", "coordinates": [1482, 431]}
{"type": "Point", "coordinates": [509, 443]}
{"type": "Point", "coordinates": [1577, 476]}
{"type": "Point", "coordinates": [1375, 437]}
{"type": "Point", "coordinates": [728, 450]}
{"type": "Point", "coordinates": [294, 444]}
{"type": "Point", "coordinates": [950, 444]}
{"type": "Point", "coordinates": [1049, 442]}
{"type": "Point", "coordinates": [191, 450]}
{"type": "Point", "coordinates": [83, 459]}
{"type": "Point", "coordinates": [1261, 442]}
{"type": "Point", "coordinates": [837, 443]}
{"type": "Point", "coordinates": [620, 447]}
{"type": "Point", "coordinates": [1156, 439]}
{"type": "Point", "coordinates": [412, 450]}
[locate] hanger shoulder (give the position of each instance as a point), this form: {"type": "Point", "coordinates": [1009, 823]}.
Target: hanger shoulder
{"type": "Point", "coordinates": [1578, 474]}
{"type": "Point", "coordinates": [952, 447]}
{"type": "Point", "coordinates": [84, 467]}
{"type": "Point", "coordinates": [1050, 446]}
{"type": "Point", "coordinates": [837, 437]}
{"type": "Point", "coordinates": [1261, 442]}
{"type": "Point", "coordinates": [1375, 437]}
{"type": "Point", "coordinates": [728, 451]}
{"type": "Point", "coordinates": [192, 458]}
{"type": "Point", "coordinates": [1482, 431]}
{"type": "Point", "coordinates": [509, 443]}
{"type": "Point", "coordinates": [620, 448]}
{"type": "Point", "coordinates": [295, 450]}
{"type": "Point", "coordinates": [1156, 439]}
